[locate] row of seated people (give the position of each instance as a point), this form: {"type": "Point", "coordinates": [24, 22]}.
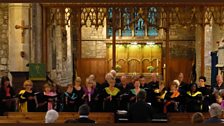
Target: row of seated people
{"type": "Point", "coordinates": [111, 96]}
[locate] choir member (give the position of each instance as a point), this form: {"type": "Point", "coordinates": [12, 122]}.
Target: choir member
{"type": "Point", "coordinates": [219, 83]}
{"type": "Point", "coordinates": [47, 100]}
{"type": "Point", "coordinates": [98, 90]}
{"type": "Point", "coordinates": [194, 99]}
{"type": "Point", "coordinates": [90, 94]}
{"type": "Point", "coordinates": [160, 95]}
{"type": "Point", "coordinates": [143, 83]}
{"type": "Point", "coordinates": [70, 99]}
{"type": "Point", "coordinates": [77, 89]}
{"type": "Point", "coordinates": [106, 83]}
{"type": "Point", "coordinates": [183, 88]}
{"type": "Point", "coordinates": [152, 90]}
{"type": "Point", "coordinates": [110, 95]}
{"type": "Point", "coordinates": [124, 88]}
{"type": "Point", "coordinates": [7, 96]}
{"type": "Point", "coordinates": [172, 98]}
{"type": "Point", "coordinates": [117, 79]}
{"type": "Point", "coordinates": [134, 92]}
{"type": "Point", "coordinates": [27, 98]}
{"type": "Point", "coordinates": [206, 93]}
{"type": "Point", "coordinates": [216, 88]}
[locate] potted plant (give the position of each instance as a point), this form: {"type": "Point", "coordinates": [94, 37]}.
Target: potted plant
{"type": "Point", "coordinates": [117, 67]}
{"type": "Point", "coordinates": [151, 69]}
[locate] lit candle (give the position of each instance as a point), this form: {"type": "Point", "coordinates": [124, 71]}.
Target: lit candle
{"type": "Point", "coordinates": [157, 62]}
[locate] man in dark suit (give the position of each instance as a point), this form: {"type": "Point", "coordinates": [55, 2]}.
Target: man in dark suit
{"type": "Point", "coordinates": [83, 115]}
{"type": "Point", "coordinates": [215, 112]}
{"type": "Point", "coordinates": [140, 112]}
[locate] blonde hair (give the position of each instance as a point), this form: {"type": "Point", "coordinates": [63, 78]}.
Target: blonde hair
{"type": "Point", "coordinates": [27, 82]}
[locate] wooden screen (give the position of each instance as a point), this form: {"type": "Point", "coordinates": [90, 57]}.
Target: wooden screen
{"type": "Point", "coordinates": [135, 58]}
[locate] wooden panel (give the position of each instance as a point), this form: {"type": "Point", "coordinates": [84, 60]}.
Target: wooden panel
{"type": "Point", "coordinates": [99, 117]}
{"type": "Point", "coordinates": [152, 55]}
{"type": "Point", "coordinates": [135, 58]}
{"type": "Point", "coordinates": [38, 117]}
{"type": "Point", "coordinates": [121, 57]}
{"type": "Point", "coordinates": [98, 67]}
{"type": "Point", "coordinates": [178, 65]}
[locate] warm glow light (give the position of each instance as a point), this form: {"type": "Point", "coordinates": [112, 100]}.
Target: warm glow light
{"type": "Point", "coordinates": [150, 43]}
{"type": "Point", "coordinates": [134, 43]}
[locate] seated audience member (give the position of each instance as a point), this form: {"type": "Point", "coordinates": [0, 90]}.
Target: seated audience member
{"type": "Point", "coordinates": [51, 116]}
{"type": "Point", "coordinates": [27, 98]}
{"type": "Point", "coordinates": [197, 117]}
{"type": "Point", "coordinates": [140, 111]}
{"type": "Point", "coordinates": [194, 99]}
{"type": "Point", "coordinates": [83, 115]}
{"type": "Point", "coordinates": [215, 112]}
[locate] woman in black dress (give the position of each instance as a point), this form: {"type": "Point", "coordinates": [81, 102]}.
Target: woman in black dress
{"type": "Point", "coordinates": [47, 99]}
{"type": "Point", "coordinates": [172, 98]}
{"type": "Point", "coordinates": [70, 99]}
{"type": "Point", "coordinates": [194, 99]}
{"type": "Point", "coordinates": [77, 89]}
{"type": "Point", "coordinates": [90, 94]}
{"type": "Point", "coordinates": [111, 96]}
{"type": "Point", "coordinates": [7, 96]}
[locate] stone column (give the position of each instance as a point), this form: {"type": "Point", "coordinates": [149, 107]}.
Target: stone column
{"type": "Point", "coordinates": [3, 39]}
{"type": "Point", "coordinates": [37, 38]}
{"type": "Point", "coordinates": [198, 38]}
{"type": "Point", "coordinates": [19, 39]}
{"type": "Point", "coordinates": [208, 49]}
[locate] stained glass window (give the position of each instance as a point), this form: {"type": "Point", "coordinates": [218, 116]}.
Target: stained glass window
{"type": "Point", "coordinates": [109, 23]}
{"type": "Point", "coordinates": [126, 20]}
{"type": "Point", "coordinates": [139, 25]}
{"type": "Point", "coordinates": [152, 30]}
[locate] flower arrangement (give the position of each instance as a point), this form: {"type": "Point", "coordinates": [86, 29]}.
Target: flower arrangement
{"type": "Point", "coordinates": [151, 69]}
{"type": "Point", "coordinates": [117, 67]}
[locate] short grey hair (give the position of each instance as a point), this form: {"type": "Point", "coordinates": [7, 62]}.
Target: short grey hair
{"type": "Point", "coordinates": [215, 110]}
{"type": "Point", "coordinates": [51, 116]}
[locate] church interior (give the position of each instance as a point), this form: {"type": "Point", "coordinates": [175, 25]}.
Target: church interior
{"type": "Point", "coordinates": [58, 42]}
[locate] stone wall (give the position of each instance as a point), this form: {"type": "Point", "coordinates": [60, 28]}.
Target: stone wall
{"type": "Point", "coordinates": [208, 49]}
{"type": "Point", "coordinates": [198, 33]}
{"type": "Point", "coordinates": [3, 38]}
{"type": "Point", "coordinates": [60, 61]}
{"type": "Point", "coordinates": [93, 44]}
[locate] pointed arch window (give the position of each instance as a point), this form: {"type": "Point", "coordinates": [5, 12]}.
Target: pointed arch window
{"type": "Point", "coordinates": [152, 30]}
{"type": "Point", "coordinates": [139, 24]}
{"type": "Point", "coordinates": [126, 20]}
